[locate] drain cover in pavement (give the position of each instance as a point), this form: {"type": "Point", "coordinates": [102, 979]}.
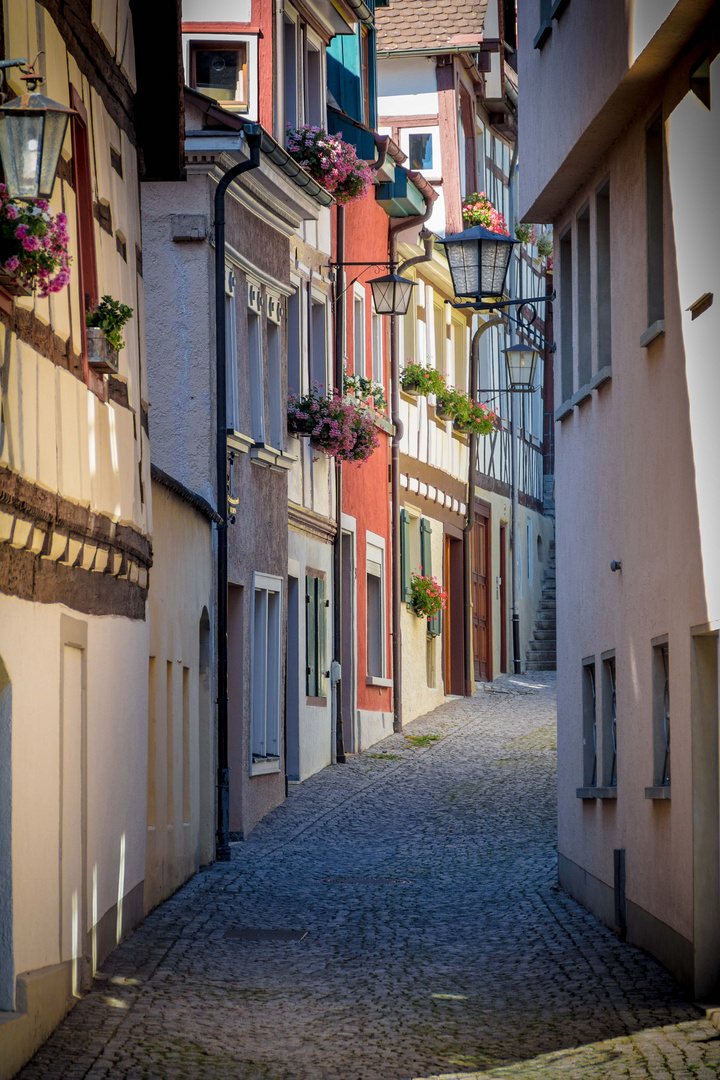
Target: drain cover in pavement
{"type": "Point", "coordinates": [249, 933]}
{"type": "Point", "coordinates": [366, 881]}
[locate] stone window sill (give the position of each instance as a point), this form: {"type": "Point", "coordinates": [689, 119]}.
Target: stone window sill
{"type": "Point", "coordinates": [596, 793]}
{"type": "Point", "coordinates": [652, 333]}
{"type": "Point", "coordinates": [271, 458]}
{"type": "Point", "coordinates": [660, 791]}
{"type": "Point", "coordinates": [599, 379]}
{"type": "Point", "coordinates": [263, 766]}
{"type": "Point", "coordinates": [375, 680]}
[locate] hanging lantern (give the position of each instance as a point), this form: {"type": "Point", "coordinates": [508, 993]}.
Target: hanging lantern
{"type": "Point", "coordinates": [32, 132]}
{"type": "Point", "coordinates": [521, 361]}
{"type": "Point", "coordinates": [478, 260]}
{"type": "Point", "coordinates": [391, 294]}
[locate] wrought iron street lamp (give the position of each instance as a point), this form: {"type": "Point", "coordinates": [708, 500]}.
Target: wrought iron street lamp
{"type": "Point", "coordinates": [479, 261]}
{"type": "Point", "coordinates": [32, 132]}
{"type": "Point", "coordinates": [391, 294]}
{"type": "Point", "coordinates": [521, 362]}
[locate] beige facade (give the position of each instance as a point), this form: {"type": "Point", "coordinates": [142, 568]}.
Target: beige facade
{"type": "Point", "coordinates": [626, 178]}
{"type": "Point", "coordinates": [75, 554]}
{"type": "Point", "coordinates": [181, 715]}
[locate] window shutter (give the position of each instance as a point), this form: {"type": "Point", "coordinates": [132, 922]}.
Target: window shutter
{"type": "Point", "coordinates": [321, 617]}
{"type": "Point", "coordinates": [434, 621]}
{"type": "Point", "coordinates": [311, 636]}
{"type": "Point", "coordinates": [405, 590]}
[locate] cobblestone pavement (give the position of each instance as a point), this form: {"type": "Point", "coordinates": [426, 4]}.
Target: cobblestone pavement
{"type": "Point", "coordinates": [437, 941]}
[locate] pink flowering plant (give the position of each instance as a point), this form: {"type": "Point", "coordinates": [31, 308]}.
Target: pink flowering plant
{"type": "Point", "coordinates": [419, 379]}
{"type": "Point", "coordinates": [427, 597]}
{"type": "Point", "coordinates": [340, 427]}
{"type": "Point", "coordinates": [478, 210]}
{"type": "Point", "coordinates": [331, 161]}
{"type": "Point", "coordinates": [475, 418]}
{"type": "Point", "coordinates": [526, 234]}
{"type": "Point", "coordinates": [33, 244]}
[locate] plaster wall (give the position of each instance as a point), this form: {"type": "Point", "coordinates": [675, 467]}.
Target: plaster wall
{"type": "Point", "coordinates": [407, 86]}
{"type": "Point", "coordinates": [180, 827]}
{"type": "Point", "coordinates": [611, 57]}
{"type": "Point", "coordinates": [111, 778]}
{"type": "Point", "coordinates": [634, 482]}
{"type": "Point", "coordinates": [418, 696]}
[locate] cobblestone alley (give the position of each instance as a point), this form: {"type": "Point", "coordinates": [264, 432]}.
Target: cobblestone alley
{"type": "Point", "coordinates": [437, 943]}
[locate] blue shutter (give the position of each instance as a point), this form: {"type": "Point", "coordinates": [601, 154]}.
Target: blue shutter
{"type": "Point", "coordinates": [405, 568]}
{"type": "Point", "coordinates": [311, 636]}
{"type": "Point", "coordinates": [321, 617]}
{"type": "Point", "coordinates": [435, 621]}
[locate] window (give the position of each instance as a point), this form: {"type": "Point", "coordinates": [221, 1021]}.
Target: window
{"type": "Point", "coordinates": [318, 343]}
{"type": "Point", "coordinates": [378, 372]}
{"type": "Point", "coordinates": [566, 317]}
{"type": "Point", "coordinates": [654, 223]}
{"type": "Point", "coordinates": [609, 721]}
{"type": "Point", "coordinates": [603, 298]}
{"type": "Point", "coordinates": [359, 332]}
{"type": "Point", "coordinates": [294, 343]}
{"type": "Point", "coordinates": [218, 69]}
{"type": "Point", "coordinates": [290, 73]}
{"type": "Point", "coordinates": [589, 721]}
{"type": "Point", "coordinates": [303, 74]}
{"type": "Point", "coordinates": [529, 553]}
{"type": "Point", "coordinates": [316, 605]}
{"type": "Point", "coordinates": [275, 386]}
{"type": "Point", "coordinates": [661, 714]}
{"type": "Point", "coordinates": [265, 673]}
{"type": "Point", "coordinates": [255, 362]}
{"type": "Point", "coordinates": [440, 332]}
{"type": "Point", "coordinates": [422, 146]}
{"type": "Point", "coordinates": [583, 287]}
{"type": "Point", "coordinates": [434, 622]}
{"type": "Point", "coordinates": [375, 606]}
{"type": "Point", "coordinates": [314, 111]}
{"type": "Point", "coordinates": [231, 353]}
{"type": "Point", "coordinates": [420, 151]}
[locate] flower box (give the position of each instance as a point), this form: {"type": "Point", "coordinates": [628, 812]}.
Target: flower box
{"type": "Point", "coordinates": [100, 354]}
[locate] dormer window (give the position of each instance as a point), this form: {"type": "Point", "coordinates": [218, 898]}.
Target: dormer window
{"type": "Point", "coordinates": [219, 70]}
{"type": "Point", "coordinates": [224, 67]}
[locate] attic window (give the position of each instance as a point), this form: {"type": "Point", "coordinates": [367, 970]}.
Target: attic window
{"type": "Point", "coordinates": [219, 70]}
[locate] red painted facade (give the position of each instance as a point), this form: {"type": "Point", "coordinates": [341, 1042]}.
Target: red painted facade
{"type": "Point", "coordinates": [366, 488]}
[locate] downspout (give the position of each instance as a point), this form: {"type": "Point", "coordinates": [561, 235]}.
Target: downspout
{"type": "Point", "coordinates": [337, 553]}
{"type": "Point", "coordinates": [404, 223]}
{"type": "Point", "coordinates": [517, 570]}
{"type": "Point", "coordinates": [497, 320]}
{"type": "Point", "coordinates": [222, 836]}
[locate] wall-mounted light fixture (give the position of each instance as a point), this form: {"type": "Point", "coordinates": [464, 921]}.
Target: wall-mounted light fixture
{"type": "Point", "coordinates": [32, 132]}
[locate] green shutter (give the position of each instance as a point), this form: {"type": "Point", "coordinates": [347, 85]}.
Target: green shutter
{"type": "Point", "coordinates": [311, 636]}
{"type": "Point", "coordinates": [321, 617]}
{"type": "Point", "coordinates": [434, 622]}
{"type": "Point", "coordinates": [405, 568]}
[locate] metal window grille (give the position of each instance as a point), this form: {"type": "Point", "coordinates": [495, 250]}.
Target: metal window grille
{"type": "Point", "coordinates": [591, 676]}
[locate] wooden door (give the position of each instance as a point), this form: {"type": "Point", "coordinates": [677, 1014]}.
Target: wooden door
{"type": "Point", "coordinates": [482, 608]}
{"type": "Point", "coordinates": [503, 597]}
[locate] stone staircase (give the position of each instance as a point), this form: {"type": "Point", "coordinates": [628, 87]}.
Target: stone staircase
{"type": "Point", "coordinates": [541, 654]}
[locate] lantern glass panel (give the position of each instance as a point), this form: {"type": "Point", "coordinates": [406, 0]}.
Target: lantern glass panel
{"type": "Point", "coordinates": [391, 294]}
{"type": "Point", "coordinates": [21, 140]}
{"type": "Point", "coordinates": [521, 362]}
{"type": "Point", "coordinates": [55, 128]}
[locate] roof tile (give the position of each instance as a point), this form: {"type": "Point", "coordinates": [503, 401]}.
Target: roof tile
{"type": "Point", "coordinates": [427, 24]}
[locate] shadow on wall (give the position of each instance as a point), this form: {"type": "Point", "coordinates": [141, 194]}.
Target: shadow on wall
{"type": "Point", "coordinates": [7, 967]}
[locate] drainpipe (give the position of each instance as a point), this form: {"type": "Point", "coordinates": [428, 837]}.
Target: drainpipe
{"type": "Point", "coordinates": [517, 570]}
{"type": "Point", "coordinates": [497, 320]}
{"type": "Point", "coordinates": [337, 552]}
{"type": "Point", "coordinates": [222, 837]}
{"type": "Point", "coordinates": [404, 223]}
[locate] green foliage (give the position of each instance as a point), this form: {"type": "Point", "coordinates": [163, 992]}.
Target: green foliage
{"type": "Point", "coordinates": [365, 388]}
{"type": "Point", "coordinates": [420, 379]}
{"type": "Point", "coordinates": [545, 245]}
{"type": "Point", "coordinates": [110, 316]}
{"type": "Point", "coordinates": [422, 740]}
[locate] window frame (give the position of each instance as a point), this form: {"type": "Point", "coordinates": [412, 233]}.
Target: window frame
{"type": "Point", "coordinates": [256, 361]}
{"type": "Point", "coordinates": [376, 543]}
{"type": "Point", "coordinates": [262, 764]}
{"type": "Point", "coordinates": [433, 130]}
{"type": "Point", "coordinates": [317, 604]}
{"type": "Point", "coordinates": [248, 108]}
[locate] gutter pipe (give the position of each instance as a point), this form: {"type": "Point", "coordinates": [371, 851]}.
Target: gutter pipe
{"type": "Point", "coordinates": [222, 836]}
{"type": "Point", "coordinates": [403, 223]}
{"type": "Point", "coordinates": [517, 570]}
{"type": "Point", "coordinates": [337, 552]}
{"type": "Point", "coordinates": [497, 320]}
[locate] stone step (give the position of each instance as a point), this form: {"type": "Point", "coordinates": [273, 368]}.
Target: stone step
{"type": "Point", "coordinates": [532, 666]}
{"type": "Point", "coordinates": [544, 635]}
{"type": "Point", "coordinates": [541, 648]}
{"type": "Point", "coordinates": [542, 623]}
